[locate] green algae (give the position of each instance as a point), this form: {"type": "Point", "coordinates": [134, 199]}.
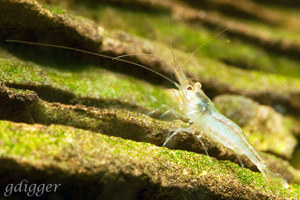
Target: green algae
{"type": "Point", "coordinates": [51, 144]}
{"type": "Point", "coordinates": [274, 32]}
{"type": "Point", "coordinates": [17, 140]}
{"type": "Point", "coordinates": [90, 82]}
{"type": "Point", "coordinates": [57, 10]}
{"type": "Point", "coordinates": [162, 28]}
{"type": "Point", "coordinates": [17, 71]}
{"type": "Point", "coordinates": [95, 82]}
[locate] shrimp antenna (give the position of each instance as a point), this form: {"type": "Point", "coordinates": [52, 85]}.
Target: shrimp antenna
{"type": "Point", "coordinates": [135, 54]}
{"type": "Point", "coordinates": [179, 72]}
{"type": "Point", "coordinates": [176, 67]}
{"type": "Point", "coordinates": [94, 54]}
{"type": "Point", "coordinates": [138, 54]}
{"type": "Point", "coordinates": [204, 43]}
{"type": "Point", "coordinates": [174, 60]}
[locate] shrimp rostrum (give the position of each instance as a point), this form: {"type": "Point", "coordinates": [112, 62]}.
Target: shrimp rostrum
{"type": "Point", "coordinates": [206, 119]}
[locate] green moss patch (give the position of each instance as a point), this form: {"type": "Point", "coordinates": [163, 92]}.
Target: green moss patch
{"type": "Point", "coordinates": [91, 82]}
{"type": "Point", "coordinates": [74, 150]}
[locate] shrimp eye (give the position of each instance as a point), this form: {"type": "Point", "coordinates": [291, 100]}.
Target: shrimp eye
{"type": "Point", "coordinates": [189, 87]}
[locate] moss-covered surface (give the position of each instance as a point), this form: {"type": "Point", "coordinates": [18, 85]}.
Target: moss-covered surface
{"type": "Point", "coordinates": [45, 86]}
{"type": "Point", "coordinates": [91, 158]}
{"type": "Point", "coordinates": [117, 122]}
{"type": "Point", "coordinates": [92, 83]}
{"type": "Point", "coordinates": [281, 87]}
{"type": "Point", "coordinates": [162, 28]}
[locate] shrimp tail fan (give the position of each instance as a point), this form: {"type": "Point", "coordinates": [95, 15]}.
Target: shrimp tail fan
{"type": "Point", "coordinates": [273, 177]}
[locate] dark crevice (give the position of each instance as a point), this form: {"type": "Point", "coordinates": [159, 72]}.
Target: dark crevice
{"type": "Point", "coordinates": [134, 6]}
{"type": "Point", "coordinates": [241, 64]}
{"type": "Point", "coordinates": [15, 106]}
{"type": "Point", "coordinates": [283, 3]}
{"type": "Point", "coordinates": [234, 9]}
{"type": "Point", "coordinates": [51, 94]}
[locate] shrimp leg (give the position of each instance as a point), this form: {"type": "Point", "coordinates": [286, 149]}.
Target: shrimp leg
{"type": "Point", "coordinates": [166, 112]}
{"type": "Point", "coordinates": [240, 160]}
{"type": "Point", "coordinates": [171, 136]}
{"type": "Point", "coordinates": [202, 143]}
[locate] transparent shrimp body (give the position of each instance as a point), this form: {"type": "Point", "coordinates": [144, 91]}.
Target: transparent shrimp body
{"type": "Point", "coordinates": [205, 118]}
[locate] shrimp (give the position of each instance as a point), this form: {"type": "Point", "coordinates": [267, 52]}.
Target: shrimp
{"type": "Point", "coordinates": [205, 118]}
{"type": "Point", "coordinates": [201, 113]}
